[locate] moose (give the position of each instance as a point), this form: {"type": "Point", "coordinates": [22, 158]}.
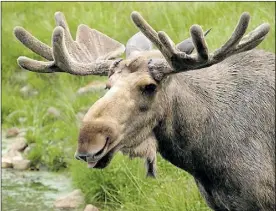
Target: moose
{"type": "Point", "coordinates": [210, 114]}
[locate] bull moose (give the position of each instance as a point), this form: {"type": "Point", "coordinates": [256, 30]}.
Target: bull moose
{"type": "Point", "coordinates": [210, 114]}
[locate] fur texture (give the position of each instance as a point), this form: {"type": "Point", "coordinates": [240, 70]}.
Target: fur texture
{"type": "Point", "coordinates": [219, 125]}
{"type": "Point", "coordinates": [147, 150]}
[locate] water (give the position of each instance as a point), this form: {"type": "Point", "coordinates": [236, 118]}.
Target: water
{"type": "Point", "coordinates": [31, 190]}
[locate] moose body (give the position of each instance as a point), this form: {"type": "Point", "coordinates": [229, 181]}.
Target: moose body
{"type": "Point", "coordinates": [219, 125]}
{"type": "Point", "coordinates": [212, 115]}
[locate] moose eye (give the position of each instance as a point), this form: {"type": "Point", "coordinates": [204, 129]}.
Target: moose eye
{"type": "Point", "coordinates": [149, 89]}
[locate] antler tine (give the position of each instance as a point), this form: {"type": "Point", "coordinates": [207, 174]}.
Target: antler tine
{"type": "Point", "coordinates": [37, 66]}
{"type": "Point", "coordinates": [248, 42]}
{"type": "Point", "coordinates": [61, 21]}
{"type": "Point", "coordinates": [36, 45]}
{"type": "Point", "coordinates": [182, 61]}
{"type": "Point", "coordinates": [167, 46]}
{"type": "Point", "coordinates": [72, 47]}
{"type": "Point", "coordinates": [60, 52]}
{"type": "Point", "coordinates": [33, 43]}
{"type": "Point", "coordinates": [254, 38]}
{"type": "Point", "coordinates": [88, 55]}
{"type": "Point", "coordinates": [40, 48]}
{"type": "Point", "coordinates": [147, 30]}
{"type": "Point", "coordinates": [187, 45]}
{"type": "Point", "coordinates": [63, 60]}
{"type": "Point", "coordinates": [199, 43]}
{"type": "Point", "coordinates": [167, 43]}
{"type": "Point", "coordinates": [235, 38]}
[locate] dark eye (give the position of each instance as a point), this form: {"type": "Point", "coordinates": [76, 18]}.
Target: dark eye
{"type": "Point", "coordinates": [149, 89]}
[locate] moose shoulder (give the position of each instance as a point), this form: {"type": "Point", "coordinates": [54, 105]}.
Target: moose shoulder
{"type": "Point", "coordinates": [219, 125]}
{"type": "Point", "coordinates": [210, 114]}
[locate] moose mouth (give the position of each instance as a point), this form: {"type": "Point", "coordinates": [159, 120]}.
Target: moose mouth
{"type": "Point", "coordinates": [104, 161]}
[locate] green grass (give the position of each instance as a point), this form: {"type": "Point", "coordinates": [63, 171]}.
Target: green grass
{"type": "Point", "coordinates": [122, 186]}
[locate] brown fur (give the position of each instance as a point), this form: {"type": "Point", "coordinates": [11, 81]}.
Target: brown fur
{"type": "Point", "coordinates": [217, 123]}
{"type": "Point", "coordinates": [93, 135]}
{"type": "Point", "coordinates": [147, 150]}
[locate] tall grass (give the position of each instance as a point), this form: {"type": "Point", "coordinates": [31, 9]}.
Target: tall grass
{"type": "Point", "coordinates": [122, 186]}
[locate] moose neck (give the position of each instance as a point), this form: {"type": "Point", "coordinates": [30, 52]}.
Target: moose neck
{"type": "Point", "coordinates": [209, 117]}
{"type": "Point", "coordinates": [181, 130]}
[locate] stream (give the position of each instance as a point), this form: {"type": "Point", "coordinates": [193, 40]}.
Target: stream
{"type": "Point", "coordinates": [32, 190]}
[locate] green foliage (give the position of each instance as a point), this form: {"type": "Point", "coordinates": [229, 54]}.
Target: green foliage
{"type": "Point", "coordinates": [35, 156]}
{"type": "Point", "coordinates": [32, 137]}
{"type": "Point", "coordinates": [54, 158]}
{"type": "Point", "coordinates": [122, 185]}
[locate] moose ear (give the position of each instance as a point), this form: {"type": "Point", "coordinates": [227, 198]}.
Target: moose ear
{"type": "Point", "coordinates": [139, 62]}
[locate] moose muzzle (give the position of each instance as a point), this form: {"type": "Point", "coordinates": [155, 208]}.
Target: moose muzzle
{"type": "Point", "coordinates": [97, 143]}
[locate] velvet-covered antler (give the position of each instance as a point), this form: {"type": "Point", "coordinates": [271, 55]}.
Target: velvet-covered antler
{"type": "Point", "coordinates": [91, 53]}
{"type": "Point", "coordinates": [177, 61]}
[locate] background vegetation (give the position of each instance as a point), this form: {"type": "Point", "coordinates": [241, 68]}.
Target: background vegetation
{"type": "Point", "coordinates": [122, 186]}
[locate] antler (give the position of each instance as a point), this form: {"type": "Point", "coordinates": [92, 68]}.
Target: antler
{"type": "Point", "coordinates": [180, 61]}
{"type": "Point", "coordinates": [89, 54]}
{"type": "Point", "coordinates": [139, 43]}
{"type": "Point", "coordinates": [187, 45]}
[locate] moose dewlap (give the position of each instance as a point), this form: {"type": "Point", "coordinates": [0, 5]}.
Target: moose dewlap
{"type": "Point", "coordinates": [210, 114]}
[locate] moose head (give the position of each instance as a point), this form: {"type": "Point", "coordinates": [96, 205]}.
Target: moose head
{"type": "Point", "coordinates": [125, 117]}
